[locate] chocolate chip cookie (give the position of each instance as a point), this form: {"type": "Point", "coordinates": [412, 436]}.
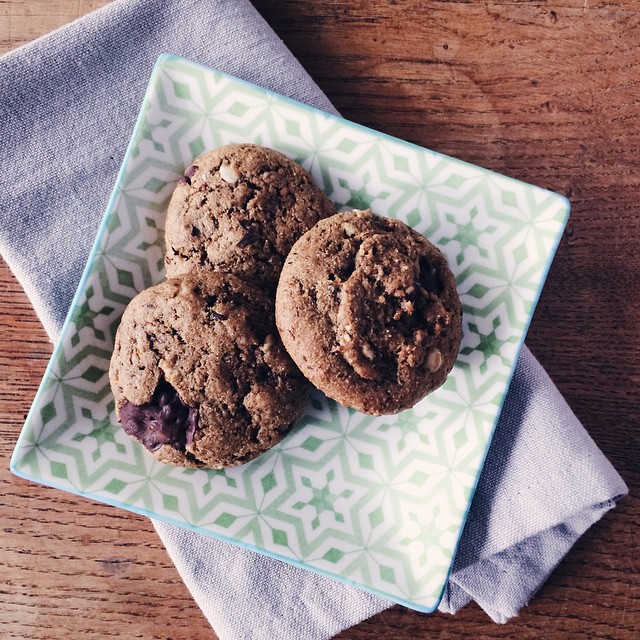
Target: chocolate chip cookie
{"type": "Point", "coordinates": [199, 374]}
{"type": "Point", "coordinates": [240, 208]}
{"type": "Point", "coordinates": [368, 309]}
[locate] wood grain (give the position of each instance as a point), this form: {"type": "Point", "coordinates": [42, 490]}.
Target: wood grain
{"type": "Point", "coordinates": [545, 92]}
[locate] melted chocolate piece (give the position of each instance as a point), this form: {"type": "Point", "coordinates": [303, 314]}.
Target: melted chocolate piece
{"type": "Point", "coordinates": [252, 234]}
{"type": "Point", "coordinates": [164, 420]}
{"type": "Point", "coordinates": [429, 278]}
{"type": "Point", "coordinates": [188, 174]}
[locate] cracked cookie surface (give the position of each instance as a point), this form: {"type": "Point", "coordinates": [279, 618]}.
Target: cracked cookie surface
{"type": "Point", "coordinates": [240, 208]}
{"type": "Point", "coordinates": [368, 309]}
{"type": "Point", "coordinates": [199, 374]}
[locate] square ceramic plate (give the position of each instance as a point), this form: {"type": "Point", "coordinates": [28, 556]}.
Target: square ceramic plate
{"type": "Point", "coordinates": [375, 502]}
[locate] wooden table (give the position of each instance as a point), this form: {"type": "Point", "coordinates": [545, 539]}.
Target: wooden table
{"type": "Point", "coordinates": [545, 92]}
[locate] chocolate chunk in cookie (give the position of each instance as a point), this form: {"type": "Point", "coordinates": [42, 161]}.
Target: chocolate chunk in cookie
{"type": "Point", "coordinates": [368, 309]}
{"type": "Point", "coordinates": [239, 209]}
{"type": "Point", "coordinates": [200, 375]}
{"type": "Point", "coordinates": [165, 419]}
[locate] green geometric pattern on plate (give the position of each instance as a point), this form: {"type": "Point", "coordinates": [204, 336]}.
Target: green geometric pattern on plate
{"type": "Point", "coordinates": [378, 502]}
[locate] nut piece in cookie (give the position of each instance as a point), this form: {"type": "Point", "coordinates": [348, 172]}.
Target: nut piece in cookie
{"type": "Point", "coordinates": [368, 309]}
{"type": "Point", "coordinates": [239, 209]}
{"type": "Point", "coordinates": [199, 374]}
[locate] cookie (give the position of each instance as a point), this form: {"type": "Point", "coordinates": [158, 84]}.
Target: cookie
{"type": "Point", "coordinates": [239, 209]}
{"type": "Point", "coordinates": [199, 374]}
{"type": "Point", "coordinates": [368, 309]}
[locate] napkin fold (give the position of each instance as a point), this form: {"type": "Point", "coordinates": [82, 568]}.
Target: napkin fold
{"type": "Point", "coordinates": [68, 105]}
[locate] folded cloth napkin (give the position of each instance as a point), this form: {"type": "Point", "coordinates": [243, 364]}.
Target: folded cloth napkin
{"type": "Point", "coordinates": [68, 104]}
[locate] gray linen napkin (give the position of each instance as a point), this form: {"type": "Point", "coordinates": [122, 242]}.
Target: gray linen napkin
{"type": "Point", "coordinates": [68, 104]}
